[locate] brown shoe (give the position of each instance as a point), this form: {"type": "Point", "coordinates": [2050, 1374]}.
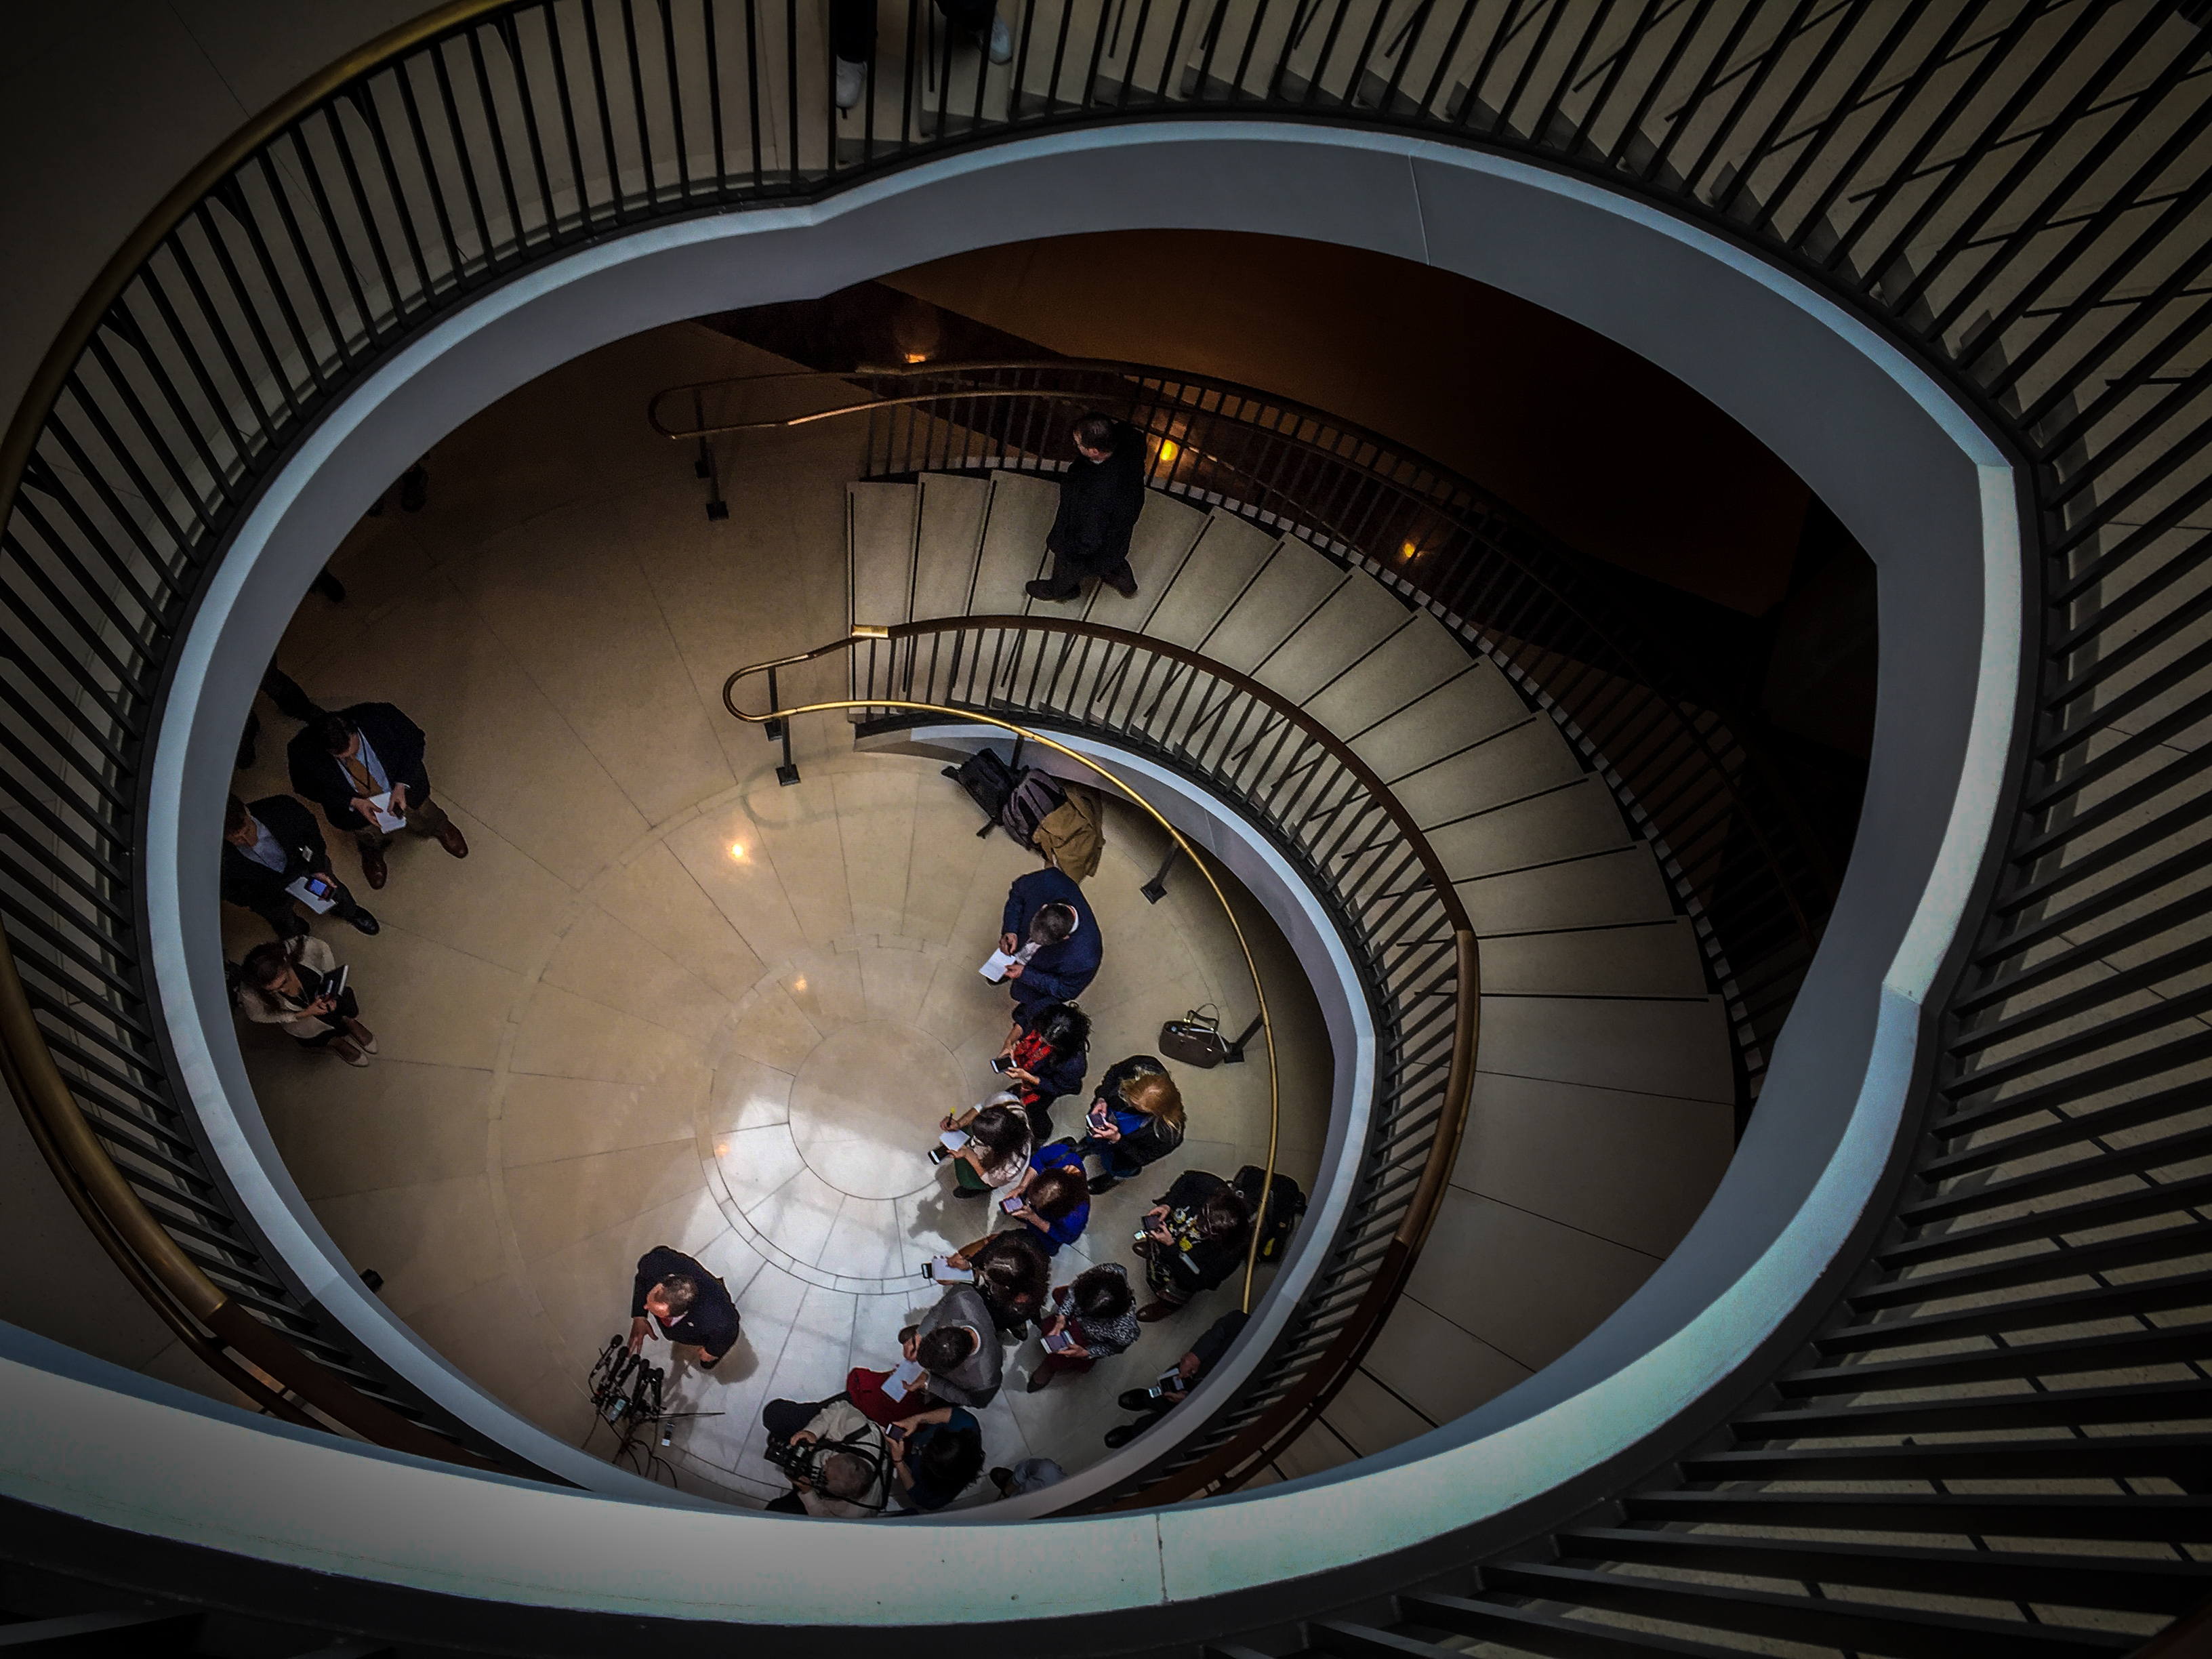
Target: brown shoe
{"type": "Point", "coordinates": [373, 868]}
{"type": "Point", "coordinates": [1152, 1311]}
{"type": "Point", "coordinates": [453, 840]}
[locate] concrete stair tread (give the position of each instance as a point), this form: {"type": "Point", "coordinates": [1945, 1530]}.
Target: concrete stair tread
{"type": "Point", "coordinates": [1475, 704]}
{"type": "Point", "coordinates": [953, 507]}
{"type": "Point", "coordinates": [1619, 885]}
{"type": "Point", "coordinates": [1289, 588]}
{"type": "Point", "coordinates": [1521, 761]}
{"type": "Point", "coordinates": [1648, 959]}
{"type": "Point", "coordinates": [1166, 531]}
{"type": "Point", "coordinates": [880, 531]}
{"type": "Point", "coordinates": [1218, 568]}
{"type": "Point", "coordinates": [1355, 620]}
{"type": "Point", "coordinates": [1420, 656]}
{"type": "Point", "coordinates": [1559, 824]}
{"type": "Point", "coordinates": [1020, 516]}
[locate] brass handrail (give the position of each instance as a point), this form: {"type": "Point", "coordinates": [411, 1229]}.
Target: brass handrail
{"type": "Point", "coordinates": [1310, 1394]}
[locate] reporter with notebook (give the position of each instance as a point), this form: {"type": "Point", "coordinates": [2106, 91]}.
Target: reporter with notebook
{"type": "Point", "coordinates": [363, 766]}
{"type": "Point", "coordinates": [298, 984]}
{"type": "Point", "coordinates": [272, 854]}
{"type": "Point", "coordinates": [1049, 928]}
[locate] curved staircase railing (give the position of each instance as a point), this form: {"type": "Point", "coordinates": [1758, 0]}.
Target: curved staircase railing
{"type": "Point", "coordinates": [1356, 847]}
{"type": "Point", "coordinates": [1728, 836]}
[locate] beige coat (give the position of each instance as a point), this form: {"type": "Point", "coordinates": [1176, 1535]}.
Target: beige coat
{"type": "Point", "coordinates": [265, 1008]}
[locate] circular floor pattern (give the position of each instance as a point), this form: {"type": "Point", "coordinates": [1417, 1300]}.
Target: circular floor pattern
{"type": "Point", "coordinates": [861, 1104]}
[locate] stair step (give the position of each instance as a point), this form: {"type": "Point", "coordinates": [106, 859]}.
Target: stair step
{"type": "Point", "coordinates": [1405, 668]}
{"type": "Point", "coordinates": [1355, 619]}
{"type": "Point", "coordinates": [952, 512]}
{"type": "Point", "coordinates": [1476, 704]}
{"type": "Point", "coordinates": [1559, 825]}
{"type": "Point", "coordinates": [1020, 516]}
{"type": "Point", "coordinates": [1522, 761]}
{"type": "Point", "coordinates": [880, 531]}
{"type": "Point", "coordinates": [1289, 588]}
{"type": "Point", "coordinates": [1166, 531]}
{"type": "Point", "coordinates": [1658, 959]}
{"type": "Point", "coordinates": [1217, 571]}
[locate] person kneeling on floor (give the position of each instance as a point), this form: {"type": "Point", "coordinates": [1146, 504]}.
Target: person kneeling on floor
{"type": "Point", "coordinates": [848, 1478]}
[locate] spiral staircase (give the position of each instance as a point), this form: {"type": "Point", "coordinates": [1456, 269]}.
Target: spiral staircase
{"type": "Point", "coordinates": [1976, 1428]}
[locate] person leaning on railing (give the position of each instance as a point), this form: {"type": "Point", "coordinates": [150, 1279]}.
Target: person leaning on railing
{"type": "Point", "coordinates": [286, 983]}
{"type": "Point", "coordinates": [1194, 1239]}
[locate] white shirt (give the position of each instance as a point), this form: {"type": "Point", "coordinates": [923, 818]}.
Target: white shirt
{"type": "Point", "coordinates": [268, 850]}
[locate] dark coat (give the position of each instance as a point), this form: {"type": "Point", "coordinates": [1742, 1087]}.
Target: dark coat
{"type": "Point", "coordinates": [1145, 1139]}
{"type": "Point", "coordinates": [318, 775]}
{"type": "Point", "coordinates": [1206, 1263]}
{"type": "Point", "coordinates": [1057, 973]}
{"type": "Point", "coordinates": [248, 882]}
{"type": "Point", "coordinates": [1099, 502]}
{"type": "Point", "coordinates": [711, 1321]}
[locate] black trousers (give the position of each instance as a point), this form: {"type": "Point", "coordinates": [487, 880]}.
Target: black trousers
{"type": "Point", "coordinates": [853, 24]}
{"type": "Point", "coordinates": [1069, 572]}
{"type": "Point", "coordinates": [783, 1418]}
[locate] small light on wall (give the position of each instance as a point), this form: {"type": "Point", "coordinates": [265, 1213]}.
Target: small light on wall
{"type": "Point", "coordinates": [1409, 551]}
{"type": "Point", "coordinates": [917, 357]}
{"type": "Point", "coordinates": [1168, 450]}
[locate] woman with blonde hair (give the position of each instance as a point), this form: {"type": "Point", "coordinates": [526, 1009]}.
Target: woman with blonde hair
{"type": "Point", "coordinates": [1136, 1119]}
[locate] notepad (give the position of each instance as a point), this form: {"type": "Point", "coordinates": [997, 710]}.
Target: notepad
{"type": "Point", "coordinates": [995, 965]}
{"type": "Point", "coordinates": [953, 1139]}
{"type": "Point", "coordinates": [942, 1270]}
{"type": "Point", "coordinates": [903, 1381]}
{"type": "Point", "coordinates": [312, 891]}
{"type": "Point", "coordinates": [382, 816]}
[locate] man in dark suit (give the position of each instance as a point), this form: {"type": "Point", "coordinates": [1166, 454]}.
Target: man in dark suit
{"type": "Point", "coordinates": [346, 762]}
{"type": "Point", "coordinates": [691, 1305]}
{"type": "Point", "coordinates": [1046, 910]}
{"type": "Point", "coordinates": [1100, 498]}
{"type": "Point", "coordinates": [269, 846]}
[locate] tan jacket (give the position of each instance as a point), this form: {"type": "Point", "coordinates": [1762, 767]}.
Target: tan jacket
{"type": "Point", "coordinates": [1073, 836]}
{"type": "Point", "coordinates": [266, 1009]}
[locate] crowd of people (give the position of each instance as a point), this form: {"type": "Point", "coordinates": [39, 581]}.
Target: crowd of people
{"type": "Point", "coordinates": [904, 1437]}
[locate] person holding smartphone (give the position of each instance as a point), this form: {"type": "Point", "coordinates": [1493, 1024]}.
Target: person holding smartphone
{"type": "Point", "coordinates": [1152, 1403]}
{"type": "Point", "coordinates": [1090, 1320]}
{"type": "Point", "coordinates": [1013, 1275]}
{"type": "Point", "coordinates": [1052, 1199]}
{"type": "Point", "coordinates": [1135, 1119]}
{"type": "Point", "coordinates": [298, 984]}
{"type": "Point", "coordinates": [996, 1150]}
{"type": "Point", "coordinates": [269, 846]}
{"type": "Point", "coordinates": [1048, 1050]}
{"type": "Point", "coordinates": [935, 1455]}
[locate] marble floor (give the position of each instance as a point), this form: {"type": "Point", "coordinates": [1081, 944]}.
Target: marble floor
{"type": "Point", "coordinates": [664, 1001]}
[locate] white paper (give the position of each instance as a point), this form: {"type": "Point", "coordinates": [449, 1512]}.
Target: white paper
{"type": "Point", "coordinates": [995, 965]}
{"type": "Point", "coordinates": [901, 1383]}
{"type": "Point", "coordinates": [942, 1270]}
{"type": "Point", "coordinates": [297, 887]}
{"type": "Point", "coordinates": [953, 1139]}
{"type": "Point", "coordinates": [382, 815]}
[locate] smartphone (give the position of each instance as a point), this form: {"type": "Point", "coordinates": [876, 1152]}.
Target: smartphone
{"type": "Point", "coordinates": [1099, 1116]}
{"type": "Point", "coordinates": [1155, 1391]}
{"type": "Point", "coordinates": [318, 887]}
{"type": "Point", "coordinates": [1142, 1235]}
{"type": "Point", "coordinates": [1002, 1063]}
{"type": "Point", "coordinates": [895, 1432]}
{"type": "Point", "coordinates": [1058, 1342]}
{"type": "Point", "coordinates": [1010, 1205]}
{"type": "Point", "coordinates": [938, 1155]}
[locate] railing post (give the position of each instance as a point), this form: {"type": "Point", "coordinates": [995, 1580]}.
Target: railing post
{"type": "Point", "coordinates": [1156, 889]}
{"type": "Point", "coordinates": [779, 731]}
{"type": "Point", "coordinates": [1236, 1054]}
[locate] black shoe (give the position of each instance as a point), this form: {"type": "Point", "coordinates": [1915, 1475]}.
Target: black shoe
{"type": "Point", "coordinates": [329, 587]}
{"type": "Point", "coordinates": [966, 1192]}
{"type": "Point", "coordinates": [413, 488]}
{"type": "Point", "coordinates": [1124, 583]}
{"type": "Point", "coordinates": [1136, 1399]}
{"type": "Point", "coordinates": [1104, 1183]}
{"type": "Point", "coordinates": [1044, 590]}
{"type": "Point", "coordinates": [363, 922]}
{"type": "Point", "coordinates": [1122, 1433]}
{"type": "Point", "coordinates": [1002, 1479]}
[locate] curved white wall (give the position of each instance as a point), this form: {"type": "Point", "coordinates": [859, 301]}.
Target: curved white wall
{"type": "Point", "coordinates": [1922, 489]}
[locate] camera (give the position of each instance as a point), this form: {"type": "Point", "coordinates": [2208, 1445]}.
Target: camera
{"type": "Point", "coordinates": [796, 1458]}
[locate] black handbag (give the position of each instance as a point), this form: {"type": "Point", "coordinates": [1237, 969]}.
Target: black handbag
{"type": "Point", "coordinates": [1195, 1039]}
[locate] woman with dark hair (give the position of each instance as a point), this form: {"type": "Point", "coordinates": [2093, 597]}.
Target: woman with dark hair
{"type": "Point", "coordinates": [1047, 1051]}
{"type": "Point", "coordinates": [287, 983]}
{"type": "Point", "coordinates": [1136, 1119]}
{"type": "Point", "coordinates": [997, 1149]}
{"type": "Point", "coordinates": [1194, 1238]}
{"type": "Point", "coordinates": [1051, 1200]}
{"type": "Point", "coordinates": [935, 1456]}
{"type": "Point", "coordinates": [1090, 1320]}
{"type": "Point", "coordinates": [1012, 1273]}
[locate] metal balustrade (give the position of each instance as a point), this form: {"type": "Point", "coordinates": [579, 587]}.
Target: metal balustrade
{"type": "Point", "coordinates": [2011, 192]}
